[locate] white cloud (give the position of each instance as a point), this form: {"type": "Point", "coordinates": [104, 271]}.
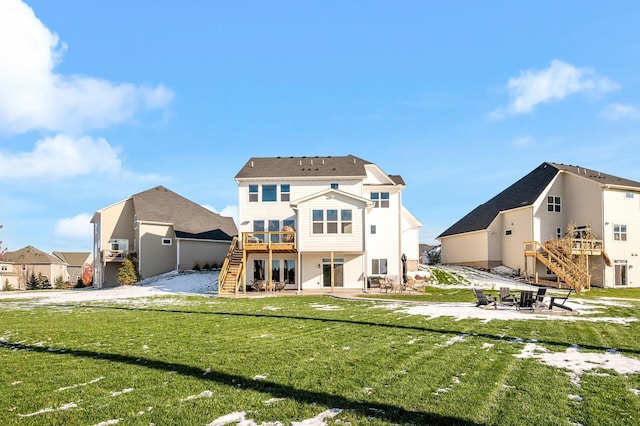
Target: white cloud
{"type": "Point", "coordinates": [33, 96]}
{"type": "Point", "coordinates": [559, 80]}
{"type": "Point", "coordinates": [75, 228]}
{"type": "Point", "coordinates": [228, 211]}
{"type": "Point", "coordinates": [61, 156]}
{"type": "Point", "coordinates": [618, 111]}
{"type": "Point", "coordinates": [522, 141]}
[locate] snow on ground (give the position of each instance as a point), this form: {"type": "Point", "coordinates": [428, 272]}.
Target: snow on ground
{"type": "Point", "coordinates": [187, 283]}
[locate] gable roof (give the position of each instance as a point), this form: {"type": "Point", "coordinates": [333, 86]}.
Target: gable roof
{"type": "Point", "coordinates": [525, 192]}
{"type": "Point", "coordinates": [599, 177]}
{"type": "Point", "coordinates": [72, 258]}
{"type": "Point", "coordinates": [31, 255]}
{"type": "Point", "coordinates": [294, 204]}
{"type": "Point", "coordinates": [189, 220]}
{"type": "Point", "coordinates": [279, 167]}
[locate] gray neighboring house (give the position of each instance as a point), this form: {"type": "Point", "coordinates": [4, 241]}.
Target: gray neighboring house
{"type": "Point", "coordinates": [162, 230]}
{"type": "Point", "coordinates": [516, 227]}
{"type": "Point", "coordinates": [76, 262]}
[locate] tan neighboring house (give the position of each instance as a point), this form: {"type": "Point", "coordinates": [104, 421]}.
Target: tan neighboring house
{"type": "Point", "coordinates": [162, 230]}
{"type": "Point", "coordinates": [525, 228]}
{"type": "Point", "coordinates": [29, 260]}
{"type": "Point", "coordinates": [76, 262]}
{"type": "Point", "coordinates": [320, 222]}
{"type": "Point", "coordinates": [8, 277]}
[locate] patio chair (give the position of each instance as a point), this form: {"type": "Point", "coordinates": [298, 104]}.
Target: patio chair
{"type": "Point", "coordinates": [538, 301]}
{"type": "Point", "coordinates": [554, 302]}
{"type": "Point", "coordinates": [258, 285]}
{"type": "Point", "coordinates": [278, 286]}
{"type": "Point", "coordinates": [483, 299]}
{"type": "Point", "coordinates": [506, 297]}
{"type": "Point", "coordinates": [526, 300]}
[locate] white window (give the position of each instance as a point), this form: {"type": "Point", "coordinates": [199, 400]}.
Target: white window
{"type": "Point", "coordinates": [253, 193]}
{"type": "Point", "coordinates": [373, 229]}
{"type": "Point", "coordinates": [3, 268]}
{"type": "Point", "coordinates": [332, 221]}
{"type": "Point", "coordinates": [620, 267]}
{"type": "Point", "coordinates": [380, 199]}
{"type": "Point", "coordinates": [379, 266]}
{"type": "Point", "coordinates": [508, 232]}
{"type": "Point", "coordinates": [334, 186]}
{"type": "Point", "coordinates": [346, 223]}
{"type": "Point", "coordinates": [166, 241]}
{"type": "Point", "coordinates": [318, 221]}
{"type": "Point", "coordinates": [558, 233]}
{"type": "Point", "coordinates": [620, 232]}
{"type": "Point", "coordinates": [629, 195]}
{"type": "Point", "coordinates": [554, 204]}
{"type": "Point", "coordinates": [285, 192]}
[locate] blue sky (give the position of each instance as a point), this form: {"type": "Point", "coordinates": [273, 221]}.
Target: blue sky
{"type": "Point", "coordinates": [101, 100]}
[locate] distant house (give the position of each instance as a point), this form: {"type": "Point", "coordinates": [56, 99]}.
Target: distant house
{"type": "Point", "coordinates": [425, 249]}
{"type": "Point", "coordinates": [161, 231]}
{"type": "Point", "coordinates": [525, 228]}
{"type": "Point", "coordinates": [21, 264]}
{"type": "Point", "coordinates": [322, 222]}
{"type": "Point", "coordinates": [76, 262]}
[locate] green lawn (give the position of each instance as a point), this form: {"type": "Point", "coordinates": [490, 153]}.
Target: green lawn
{"type": "Point", "coordinates": [189, 361]}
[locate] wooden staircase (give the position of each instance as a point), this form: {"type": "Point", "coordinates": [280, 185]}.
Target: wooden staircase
{"type": "Point", "coordinates": [574, 273]}
{"type": "Point", "coordinates": [231, 272]}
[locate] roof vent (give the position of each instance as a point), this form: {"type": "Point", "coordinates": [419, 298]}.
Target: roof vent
{"type": "Point", "coordinates": [323, 161]}
{"type": "Point", "coordinates": [312, 161]}
{"type": "Point", "coordinates": [354, 161]}
{"type": "Point", "coordinates": [252, 164]}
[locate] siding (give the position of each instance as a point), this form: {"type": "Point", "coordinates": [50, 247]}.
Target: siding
{"type": "Point", "coordinates": [623, 211]}
{"type": "Point", "coordinates": [155, 258]}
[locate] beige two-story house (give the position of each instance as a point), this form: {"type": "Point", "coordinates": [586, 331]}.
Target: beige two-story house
{"type": "Point", "coordinates": [525, 228]}
{"type": "Point", "coordinates": [162, 231]}
{"type": "Point", "coordinates": [322, 222]}
{"type": "Point", "coordinates": [18, 266]}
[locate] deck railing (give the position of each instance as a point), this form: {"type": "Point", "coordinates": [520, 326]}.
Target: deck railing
{"type": "Point", "coordinates": [269, 240]}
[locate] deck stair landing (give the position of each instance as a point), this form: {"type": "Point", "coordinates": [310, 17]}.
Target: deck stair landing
{"type": "Point", "coordinates": [231, 272]}
{"type": "Point", "coordinates": [568, 258]}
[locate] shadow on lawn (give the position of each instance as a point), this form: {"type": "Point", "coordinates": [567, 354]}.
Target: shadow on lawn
{"type": "Point", "coordinates": [368, 323]}
{"type": "Point", "coordinates": [366, 409]}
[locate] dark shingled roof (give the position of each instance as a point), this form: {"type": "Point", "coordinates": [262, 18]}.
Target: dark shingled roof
{"type": "Point", "coordinates": [279, 167]}
{"type": "Point", "coordinates": [524, 193]}
{"type": "Point", "coordinates": [190, 220]}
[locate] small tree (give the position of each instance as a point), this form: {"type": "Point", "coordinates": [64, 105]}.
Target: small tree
{"type": "Point", "coordinates": [59, 282]}
{"type": "Point", "coordinates": [32, 282]}
{"type": "Point", "coordinates": [127, 273]}
{"type": "Point", "coordinates": [87, 275]}
{"type": "Point", "coordinates": [7, 286]}
{"type": "Point", "coordinates": [43, 281]}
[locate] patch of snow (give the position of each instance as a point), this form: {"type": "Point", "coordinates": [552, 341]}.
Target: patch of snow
{"type": "Point", "coordinates": [578, 362]}
{"type": "Point", "coordinates": [260, 377]}
{"type": "Point", "coordinates": [273, 401]}
{"type": "Point", "coordinates": [318, 420]}
{"type": "Point", "coordinates": [80, 384]}
{"type": "Point", "coordinates": [204, 394]}
{"type": "Point", "coordinates": [50, 410]}
{"type": "Point", "coordinates": [636, 391]}
{"type": "Point", "coordinates": [321, 307]}
{"type": "Point", "coordinates": [123, 391]}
